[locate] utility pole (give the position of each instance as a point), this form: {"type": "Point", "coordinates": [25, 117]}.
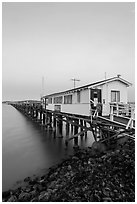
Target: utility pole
{"type": "Point", "coordinates": [42, 91]}
{"type": "Point", "coordinates": [75, 82]}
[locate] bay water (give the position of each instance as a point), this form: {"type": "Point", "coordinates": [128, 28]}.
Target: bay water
{"type": "Point", "coordinates": [29, 149]}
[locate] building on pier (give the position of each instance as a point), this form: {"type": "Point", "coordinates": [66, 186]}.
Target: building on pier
{"type": "Point", "coordinates": [82, 99]}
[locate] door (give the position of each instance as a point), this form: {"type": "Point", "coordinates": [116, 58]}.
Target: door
{"type": "Point", "coordinates": [96, 100]}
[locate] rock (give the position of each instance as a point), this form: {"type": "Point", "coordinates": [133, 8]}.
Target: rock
{"type": "Point", "coordinates": [41, 196]}
{"type": "Point", "coordinates": [52, 185]}
{"type": "Point", "coordinates": [106, 191]}
{"type": "Point", "coordinates": [44, 197]}
{"type": "Point", "coordinates": [75, 158]}
{"type": "Point", "coordinates": [122, 140]}
{"type": "Point", "coordinates": [33, 193]}
{"type": "Point", "coordinates": [28, 189]}
{"type": "Point", "coordinates": [89, 162]}
{"type": "Point", "coordinates": [32, 182]}
{"type": "Point", "coordinates": [27, 179]}
{"type": "Point", "coordinates": [98, 147]}
{"type": "Point", "coordinates": [107, 199]}
{"type": "Point", "coordinates": [40, 188]}
{"type": "Point", "coordinates": [41, 181]}
{"type": "Point", "coordinates": [35, 187]}
{"type": "Point", "coordinates": [34, 200]}
{"type": "Point", "coordinates": [12, 199]}
{"type": "Point", "coordinates": [69, 167]}
{"type": "Point", "coordinates": [24, 197]}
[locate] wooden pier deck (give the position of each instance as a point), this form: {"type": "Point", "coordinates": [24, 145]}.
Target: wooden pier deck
{"type": "Point", "coordinates": [121, 121]}
{"type": "Point", "coordinates": [103, 129]}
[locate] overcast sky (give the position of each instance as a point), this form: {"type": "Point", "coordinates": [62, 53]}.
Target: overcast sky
{"type": "Point", "coordinates": [60, 41]}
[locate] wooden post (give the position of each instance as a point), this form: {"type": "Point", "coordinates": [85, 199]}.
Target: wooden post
{"type": "Point", "coordinates": [47, 119]}
{"type": "Point", "coordinates": [130, 122]}
{"type": "Point", "coordinates": [75, 132]}
{"type": "Point", "coordinates": [111, 113]}
{"type": "Point", "coordinates": [67, 125]}
{"type": "Point", "coordinates": [33, 113]}
{"type": "Point", "coordinates": [117, 109]}
{"type": "Point", "coordinates": [60, 124]}
{"type": "Point", "coordinates": [50, 119]}
{"type": "Point", "coordinates": [54, 121]}
{"type": "Point", "coordinates": [36, 114]}
{"type": "Point", "coordinates": [40, 116]}
{"type": "Point", "coordinates": [43, 118]}
{"type": "Point", "coordinates": [100, 133]}
{"type": "Point", "coordinates": [71, 127]}
{"type": "Point", "coordinates": [85, 124]}
{"type": "Point", "coordinates": [81, 129]}
{"type": "Point", "coordinates": [54, 125]}
{"type": "Point", "coordinates": [127, 110]}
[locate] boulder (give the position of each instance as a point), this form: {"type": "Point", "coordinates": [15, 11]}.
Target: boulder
{"type": "Point", "coordinates": [98, 147]}
{"type": "Point", "coordinates": [24, 196]}
{"type": "Point", "coordinates": [12, 199]}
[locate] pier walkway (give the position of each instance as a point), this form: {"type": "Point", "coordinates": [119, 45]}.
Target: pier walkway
{"type": "Point", "coordinates": [103, 128]}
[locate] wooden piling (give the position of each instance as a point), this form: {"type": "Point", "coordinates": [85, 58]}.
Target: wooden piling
{"type": "Point", "coordinates": [67, 125]}
{"type": "Point", "coordinates": [71, 127]}
{"type": "Point", "coordinates": [75, 132]}
{"type": "Point", "coordinates": [46, 118]}
{"type": "Point", "coordinates": [54, 125]}
{"type": "Point", "coordinates": [43, 118]}
{"type": "Point", "coordinates": [50, 119]}
{"type": "Point", "coordinates": [54, 121]}
{"type": "Point", "coordinates": [85, 124]}
{"type": "Point", "coordinates": [33, 113]}
{"type": "Point", "coordinates": [60, 124]}
{"type": "Point", "coordinates": [40, 116]}
{"type": "Point", "coordinates": [81, 129]}
{"type": "Point", "coordinates": [36, 114]}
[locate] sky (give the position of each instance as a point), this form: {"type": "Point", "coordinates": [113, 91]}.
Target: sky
{"type": "Point", "coordinates": [60, 41]}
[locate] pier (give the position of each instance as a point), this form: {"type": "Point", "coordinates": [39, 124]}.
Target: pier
{"type": "Point", "coordinates": [103, 128]}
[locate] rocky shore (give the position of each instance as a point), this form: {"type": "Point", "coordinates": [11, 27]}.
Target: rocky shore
{"type": "Point", "coordinates": [87, 176]}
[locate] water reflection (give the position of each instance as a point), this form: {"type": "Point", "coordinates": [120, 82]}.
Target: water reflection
{"type": "Point", "coordinates": [28, 148]}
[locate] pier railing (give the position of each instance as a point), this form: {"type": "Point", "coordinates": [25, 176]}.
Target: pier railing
{"type": "Point", "coordinates": [123, 111]}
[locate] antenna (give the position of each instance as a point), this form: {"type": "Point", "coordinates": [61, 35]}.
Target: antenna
{"type": "Point", "coordinates": [75, 81]}
{"type": "Point", "coordinates": [105, 75]}
{"type": "Point", "coordinates": [42, 85]}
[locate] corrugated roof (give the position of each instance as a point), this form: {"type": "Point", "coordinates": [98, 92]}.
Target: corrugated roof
{"type": "Point", "coordinates": [91, 85]}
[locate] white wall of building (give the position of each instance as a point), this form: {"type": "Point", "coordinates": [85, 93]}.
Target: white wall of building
{"type": "Point", "coordinates": [84, 97]}
{"type": "Point", "coordinates": [81, 108]}
{"type": "Point", "coordinates": [106, 94]}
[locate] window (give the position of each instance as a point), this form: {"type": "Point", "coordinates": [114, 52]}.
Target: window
{"type": "Point", "coordinates": [95, 95]}
{"type": "Point", "coordinates": [57, 107]}
{"type": "Point", "coordinates": [78, 96]}
{"type": "Point", "coordinates": [68, 99]}
{"type": "Point", "coordinates": [50, 100]}
{"type": "Point", "coordinates": [58, 99]}
{"type": "Point", "coordinates": [115, 96]}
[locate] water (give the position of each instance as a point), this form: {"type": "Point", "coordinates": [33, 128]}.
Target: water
{"type": "Point", "coordinates": [28, 149]}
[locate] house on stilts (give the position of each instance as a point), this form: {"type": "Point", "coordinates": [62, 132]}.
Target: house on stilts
{"type": "Point", "coordinates": [82, 100]}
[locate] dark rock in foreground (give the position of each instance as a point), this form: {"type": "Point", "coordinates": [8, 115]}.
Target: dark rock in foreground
{"type": "Point", "coordinates": [83, 177]}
